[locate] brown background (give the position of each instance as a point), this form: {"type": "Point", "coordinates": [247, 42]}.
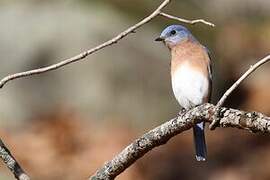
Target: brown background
{"type": "Point", "coordinates": [67, 123]}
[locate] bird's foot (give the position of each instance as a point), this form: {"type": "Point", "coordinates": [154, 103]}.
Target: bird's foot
{"type": "Point", "coordinates": [182, 111]}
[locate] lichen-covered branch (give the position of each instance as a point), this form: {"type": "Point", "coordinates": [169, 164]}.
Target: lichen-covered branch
{"type": "Point", "coordinates": [4, 152]}
{"type": "Point", "coordinates": [11, 163]}
{"type": "Point", "coordinates": [252, 68]}
{"type": "Point", "coordinates": [227, 117]}
{"type": "Point", "coordinates": [110, 42]}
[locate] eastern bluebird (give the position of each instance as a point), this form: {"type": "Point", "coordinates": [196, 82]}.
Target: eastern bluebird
{"type": "Point", "coordinates": [190, 75]}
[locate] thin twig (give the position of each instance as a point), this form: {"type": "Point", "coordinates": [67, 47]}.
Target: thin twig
{"type": "Point", "coordinates": [114, 40]}
{"type": "Point", "coordinates": [5, 154]}
{"type": "Point", "coordinates": [86, 53]}
{"type": "Point", "coordinates": [187, 21]}
{"type": "Point", "coordinates": [252, 121]}
{"type": "Point", "coordinates": [242, 78]}
{"type": "Point", "coordinates": [11, 163]}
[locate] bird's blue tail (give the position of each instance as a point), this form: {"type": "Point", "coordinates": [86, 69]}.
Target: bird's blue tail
{"type": "Point", "coordinates": [199, 141]}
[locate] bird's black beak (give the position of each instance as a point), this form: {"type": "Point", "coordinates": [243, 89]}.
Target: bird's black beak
{"type": "Point", "coordinates": [159, 39]}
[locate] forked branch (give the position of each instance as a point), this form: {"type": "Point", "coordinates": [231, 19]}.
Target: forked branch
{"type": "Point", "coordinates": [5, 154]}
{"type": "Point", "coordinates": [110, 42]}
{"type": "Point", "coordinates": [252, 121]}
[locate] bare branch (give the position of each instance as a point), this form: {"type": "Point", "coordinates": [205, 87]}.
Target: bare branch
{"type": "Point", "coordinates": [241, 79]}
{"type": "Point", "coordinates": [86, 53]}
{"type": "Point", "coordinates": [253, 121]}
{"type": "Point", "coordinates": [187, 21]}
{"type": "Point", "coordinates": [11, 163]}
{"type": "Point", "coordinates": [4, 152]}
{"type": "Point", "coordinates": [114, 40]}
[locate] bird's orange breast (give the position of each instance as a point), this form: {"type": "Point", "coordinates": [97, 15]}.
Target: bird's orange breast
{"type": "Point", "coordinates": [190, 52]}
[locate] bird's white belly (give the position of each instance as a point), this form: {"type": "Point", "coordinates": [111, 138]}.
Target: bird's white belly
{"type": "Point", "coordinates": [190, 87]}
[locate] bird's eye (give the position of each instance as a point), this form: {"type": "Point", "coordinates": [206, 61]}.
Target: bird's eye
{"type": "Point", "coordinates": [173, 32]}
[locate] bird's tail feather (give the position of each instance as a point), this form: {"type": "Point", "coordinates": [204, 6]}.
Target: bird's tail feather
{"type": "Point", "coordinates": [199, 141]}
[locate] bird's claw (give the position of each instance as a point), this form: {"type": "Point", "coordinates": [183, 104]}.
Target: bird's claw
{"type": "Point", "coordinates": [182, 111]}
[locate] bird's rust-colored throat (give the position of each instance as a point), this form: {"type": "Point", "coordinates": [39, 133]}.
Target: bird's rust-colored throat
{"type": "Point", "coordinates": [192, 53]}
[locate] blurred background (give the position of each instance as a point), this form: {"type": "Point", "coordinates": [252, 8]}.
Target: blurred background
{"type": "Point", "coordinates": [65, 124]}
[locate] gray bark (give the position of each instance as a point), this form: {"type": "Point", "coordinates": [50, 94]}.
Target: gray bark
{"type": "Point", "coordinates": [225, 117]}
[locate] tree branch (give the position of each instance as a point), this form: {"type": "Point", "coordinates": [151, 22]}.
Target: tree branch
{"type": "Point", "coordinates": [241, 79]}
{"type": "Point", "coordinates": [185, 20]}
{"type": "Point", "coordinates": [5, 154]}
{"type": "Point", "coordinates": [11, 163]}
{"type": "Point", "coordinates": [252, 68]}
{"type": "Point", "coordinates": [114, 40]}
{"type": "Point", "coordinates": [227, 117]}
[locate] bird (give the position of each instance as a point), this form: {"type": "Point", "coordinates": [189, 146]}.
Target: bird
{"type": "Point", "coordinates": [191, 76]}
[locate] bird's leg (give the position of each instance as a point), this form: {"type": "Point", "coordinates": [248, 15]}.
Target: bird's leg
{"type": "Point", "coordinates": [182, 111]}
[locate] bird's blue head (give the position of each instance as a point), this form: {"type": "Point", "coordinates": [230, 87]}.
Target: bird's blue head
{"type": "Point", "coordinates": [174, 34]}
